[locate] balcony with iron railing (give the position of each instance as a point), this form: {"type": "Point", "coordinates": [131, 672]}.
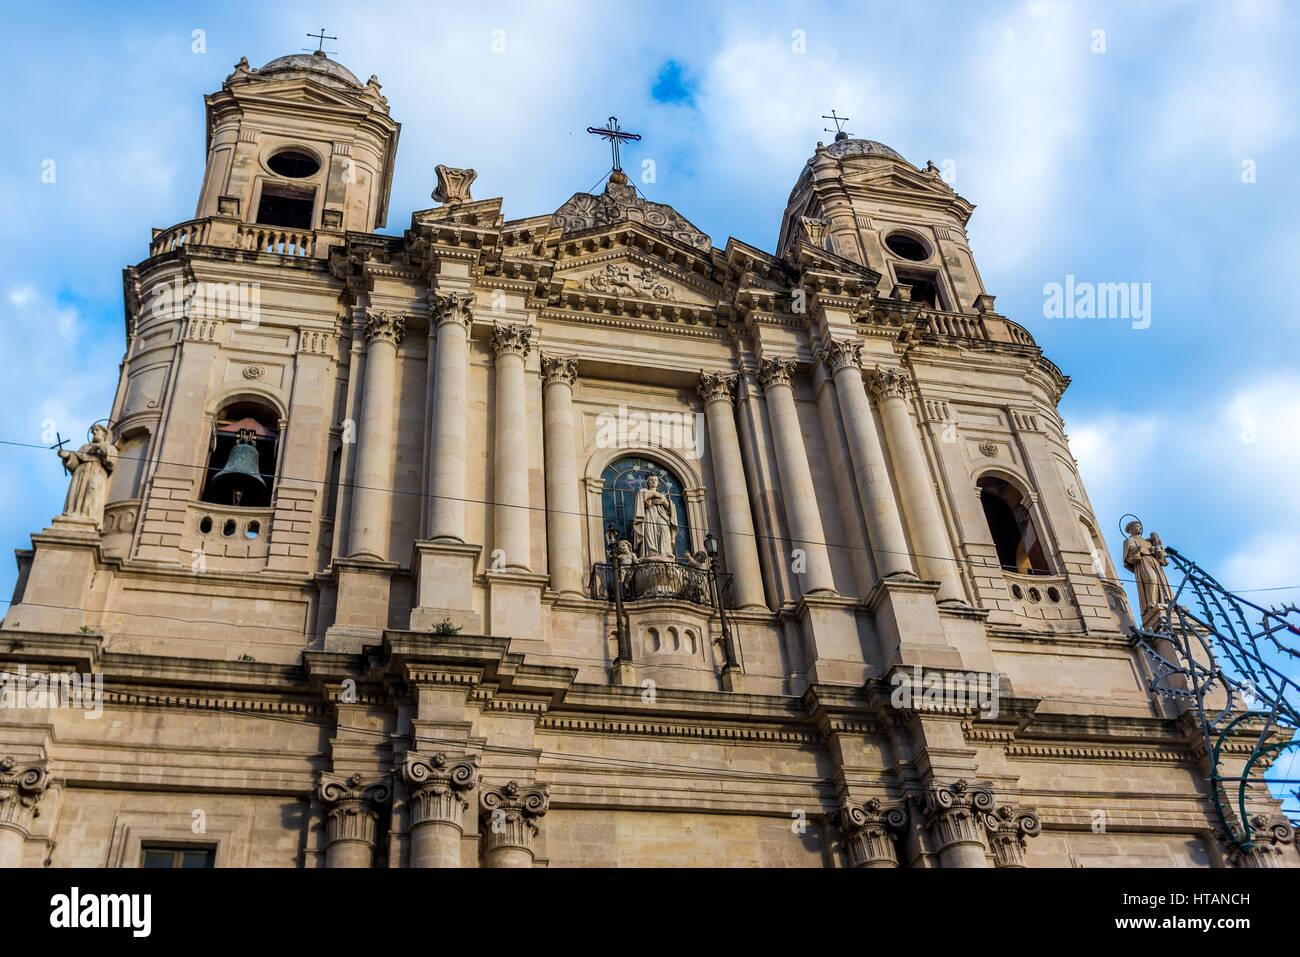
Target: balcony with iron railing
{"type": "Point", "coordinates": [662, 580]}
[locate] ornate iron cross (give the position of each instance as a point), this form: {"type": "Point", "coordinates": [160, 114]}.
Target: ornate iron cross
{"type": "Point", "coordinates": [839, 122]}
{"type": "Point", "coordinates": [615, 135]}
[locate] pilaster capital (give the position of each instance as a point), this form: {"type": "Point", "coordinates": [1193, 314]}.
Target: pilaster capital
{"type": "Point", "coordinates": [352, 806]}
{"type": "Point", "coordinates": [889, 383]}
{"type": "Point", "coordinates": [561, 369]}
{"type": "Point", "coordinates": [385, 326]}
{"type": "Point", "coordinates": [778, 371]}
{"type": "Point", "coordinates": [953, 812]}
{"type": "Point", "coordinates": [457, 307]}
{"type": "Point", "coordinates": [510, 812]}
{"type": "Point", "coordinates": [716, 386]}
{"type": "Point", "coordinates": [839, 354]}
{"type": "Point", "coordinates": [437, 784]}
{"type": "Point", "coordinates": [1269, 836]}
{"type": "Point", "coordinates": [870, 830]}
{"type": "Point", "coordinates": [511, 338]}
{"type": "Point", "coordinates": [22, 785]}
{"type": "Point", "coordinates": [1007, 828]}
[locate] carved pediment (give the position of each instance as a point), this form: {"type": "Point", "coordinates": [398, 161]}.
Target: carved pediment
{"type": "Point", "coordinates": [621, 204]}
{"type": "Point", "coordinates": [633, 278]}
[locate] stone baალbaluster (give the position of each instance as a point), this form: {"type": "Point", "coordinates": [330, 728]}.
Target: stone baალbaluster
{"type": "Point", "coordinates": [1008, 828]}
{"type": "Point", "coordinates": [563, 521]}
{"type": "Point", "coordinates": [371, 500]}
{"type": "Point", "coordinates": [352, 807]}
{"type": "Point", "coordinates": [870, 831]}
{"type": "Point", "coordinates": [508, 825]}
{"type": "Point", "coordinates": [776, 375]}
{"type": "Point", "coordinates": [22, 785]}
{"type": "Point", "coordinates": [436, 785]}
{"type": "Point", "coordinates": [452, 314]}
{"type": "Point", "coordinates": [511, 343]}
{"type": "Point", "coordinates": [953, 816]}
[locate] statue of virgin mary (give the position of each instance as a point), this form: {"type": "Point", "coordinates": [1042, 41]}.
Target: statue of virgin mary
{"type": "Point", "coordinates": [654, 523]}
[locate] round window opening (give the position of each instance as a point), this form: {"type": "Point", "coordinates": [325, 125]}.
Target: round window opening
{"type": "Point", "coordinates": [293, 164]}
{"type": "Point", "coordinates": [901, 244]}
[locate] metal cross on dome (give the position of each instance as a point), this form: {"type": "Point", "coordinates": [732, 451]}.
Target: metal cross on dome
{"type": "Point", "coordinates": [615, 135]}
{"type": "Point", "coordinates": [839, 122]}
{"type": "Point", "coordinates": [320, 46]}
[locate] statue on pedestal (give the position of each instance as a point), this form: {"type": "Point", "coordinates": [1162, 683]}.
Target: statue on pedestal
{"type": "Point", "coordinates": [1146, 559]}
{"type": "Point", "coordinates": [654, 523]}
{"type": "Point", "coordinates": [89, 467]}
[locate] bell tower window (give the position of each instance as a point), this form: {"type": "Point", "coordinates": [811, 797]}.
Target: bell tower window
{"type": "Point", "coordinates": [287, 206]}
{"type": "Point", "coordinates": [241, 466]}
{"type": "Point", "coordinates": [1019, 546]}
{"type": "Point", "coordinates": [925, 289]}
{"type": "Point", "coordinates": [293, 164]}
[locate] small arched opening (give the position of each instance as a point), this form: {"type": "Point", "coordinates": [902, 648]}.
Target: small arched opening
{"type": "Point", "coordinates": [241, 464]}
{"type": "Point", "coordinates": [1019, 546]}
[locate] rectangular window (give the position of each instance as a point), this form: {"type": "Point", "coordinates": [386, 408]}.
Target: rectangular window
{"type": "Point", "coordinates": [925, 287]}
{"type": "Point", "coordinates": [287, 206]}
{"type": "Point", "coordinates": [178, 855]}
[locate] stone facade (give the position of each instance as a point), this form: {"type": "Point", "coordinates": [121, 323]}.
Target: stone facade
{"type": "Point", "coordinates": [346, 586]}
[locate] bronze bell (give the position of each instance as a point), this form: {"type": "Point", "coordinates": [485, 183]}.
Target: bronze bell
{"type": "Point", "coordinates": [241, 477]}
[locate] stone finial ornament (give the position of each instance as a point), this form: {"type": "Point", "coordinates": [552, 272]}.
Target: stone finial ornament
{"type": "Point", "coordinates": [453, 185]}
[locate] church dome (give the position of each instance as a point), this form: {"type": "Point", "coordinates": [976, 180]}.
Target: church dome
{"type": "Point", "coordinates": [315, 63]}
{"type": "Point", "coordinates": [848, 146]}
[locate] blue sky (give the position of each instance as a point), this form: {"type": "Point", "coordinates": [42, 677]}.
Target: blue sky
{"type": "Point", "coordinates": [1117, 166]}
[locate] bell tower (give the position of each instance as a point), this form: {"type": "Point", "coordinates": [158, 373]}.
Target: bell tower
{"type": "Point", "coordinates": [300, 144]}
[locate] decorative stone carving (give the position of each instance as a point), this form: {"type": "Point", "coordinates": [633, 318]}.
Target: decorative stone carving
{"type": "Point", "coordinates": [21, 788]}
{"type": "Point", "coordinates": [509, 815]}
{"type": "Point", "coordinates": [437, 784]}
{"type": "Point", "coordinates": [1146, 559]}
{"type": "Point", "coordinates": [254, 371]}
{"type": "Point", "coordinates": [455, 307]}
{"type": "Point", "coordinates": [988, 448]}
{"type": "Point", "coordinates": [772, 372]}
{"type": "Point", "coordinates": [840, 354]}
{"type": "Point", "coordinates": [385, 327]}
{"type": "Point", "coordinates": [89, 466]}
{"type": "Point", "coordinates": [814, 230]}
{"type": "Point", "coordinates": [615, 279]}
{"type": "Point", "coordinates": [870, 832]}
{"type": "Point", "coordinates": [510, 338]}
{"type": "Point", "coordinates": [559, 369]}
{"type": "Point", "coordinates": [453, 185]}
{"type": "Point", "coordinates": [352, 806]}
{"type": "Point", "coordinates": [715, 386]}
{"type": "Point", "coordinates": [889, 383]}
{"type": "Point", "coordinates": [621, 204]}
{"type": "Point", "coordinates": [1007, 828]}
{"type": "Point", "coordinates": [953, 814]}
{"type": "Point", "coordinates": [1270, 836]}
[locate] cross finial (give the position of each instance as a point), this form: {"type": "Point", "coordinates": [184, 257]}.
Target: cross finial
{"type": "Point", "coordinates": [320, 47]}
{"type": "Point", "coordinates": [612, 132]}
{"type": "Point", "coordinates": [839, 122]}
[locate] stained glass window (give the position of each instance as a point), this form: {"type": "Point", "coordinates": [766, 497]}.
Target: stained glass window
{"type": "Point", "coordinates": [623, 479]}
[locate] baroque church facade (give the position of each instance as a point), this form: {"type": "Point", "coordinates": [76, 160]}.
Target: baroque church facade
{"type": "Point", "coordinates": [577, 540]}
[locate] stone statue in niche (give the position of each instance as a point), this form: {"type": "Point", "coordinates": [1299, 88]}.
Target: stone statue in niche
{"type": "Point", "coordinates": [654, 523]}
{"type": "Point", "coordinates": [90, 466]}
{"type": "Point", "coordinates": [1146, 559]}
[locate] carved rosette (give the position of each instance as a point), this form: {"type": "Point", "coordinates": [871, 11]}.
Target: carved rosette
{"type": "Point", "coordinates": [559, 369]}
{"type": "Point", "coordinates": [840, 354]}
{"type": "Point", "coordinates": [870, 831]}
{"type": "Point", "coordinates": [953, 812]}
{"type": "Point", "coordinates": [717, 387]}
{"type": "Point", "coordinates": [352, 806]}
{"type": "Point", "coordinates": [21, 788]}
{"type": "Point", "coordinates": [385, 327]}
{"type": "Point", "coordinates": [457, 307]}
{"type": "Point", "coordinates": [511, 339]}
{"type": "Point", "coordinates": [437, 784]}
{"type": "Point", "coordinates": [1269, 838]}
{"type": "Point", "coordinates": [509, 814]}
{"type": "Point", "coordinates": [453, 185]}
{"type": "Point", "coordinates": [888, 383]}
{"type": "Point", "coordinates": [1008, 828]}
{"type": "Point", "coordinates": [775, 372]}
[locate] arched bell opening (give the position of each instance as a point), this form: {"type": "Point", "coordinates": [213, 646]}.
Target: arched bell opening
{"type": "Point", "coordinates": [241, 463]}
{"type": "Point", "coordinates": [1016, 538]}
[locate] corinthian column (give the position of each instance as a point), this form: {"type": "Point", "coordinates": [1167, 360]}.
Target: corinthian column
{"type": "Point", "coordinates": [509, 816]}
{"type": "Point", "coordinates": [371, 499]}
{"type": "Point", "coordinates": [884, 524]}
{"type": "Point", "coordinates": [21, 788]}
{"type": "Point", "coordinates": [437, 785]}
{"type": "Point", "coordinates": [563, 528]}
{"type": "Point", "coordinates": [719, 392]}
{"type": "Point", "coordinates": [452, 314]}
{"type": "Point", "coordinates": [510, 343]}
{"type": "Point", "coordinates": [352, 807]}
{"type": "Point", "coordinates": [796, 477]}
{"type": "Point", "coordinates": [915, 483]}
{"type": "Point", "coordinates": [953, 815]}
{"type": "Point", "coordinates": [1008, 828]}
{"type": "Point", "coordinates": [870, 832]}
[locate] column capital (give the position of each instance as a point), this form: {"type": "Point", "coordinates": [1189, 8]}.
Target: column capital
{"type": "Point", "coordinates": [385, 326]}
{"type": "Point", "coordinates": [777, 371]}
{"type": "Point", "coordinates": [871, 829]}
{"type": "Point", "coordinates": [888, 383]}
{"type": "Point", "coordinates": [22, 785]}
{"type": "Point", "coordinates": [437, 784]}
{"type": "Point", "coordinates": [839, 354]}
{"type": "Point", "coordinates": [352, 806]}
{"type": "Point", "coordinates": [1007, 828]}
{"type": "Point", "coordinates": [510, 812]}
{"type": "Point", "coordinates": [511, 338]}
{"type": "Point", "coordinates": [561, 369]}
{"type": "Point", "coordinates": [457, 307]}
{"type": "Point", "coordinates": [953, 811]}
{"type": "Point", "coordinates": [717, 386]}
{"type": "Point", "coordinates": [1269, 836]}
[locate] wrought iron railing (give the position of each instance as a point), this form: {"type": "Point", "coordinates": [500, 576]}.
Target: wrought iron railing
{"type": "Point", "coordinates": [651, 579]}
